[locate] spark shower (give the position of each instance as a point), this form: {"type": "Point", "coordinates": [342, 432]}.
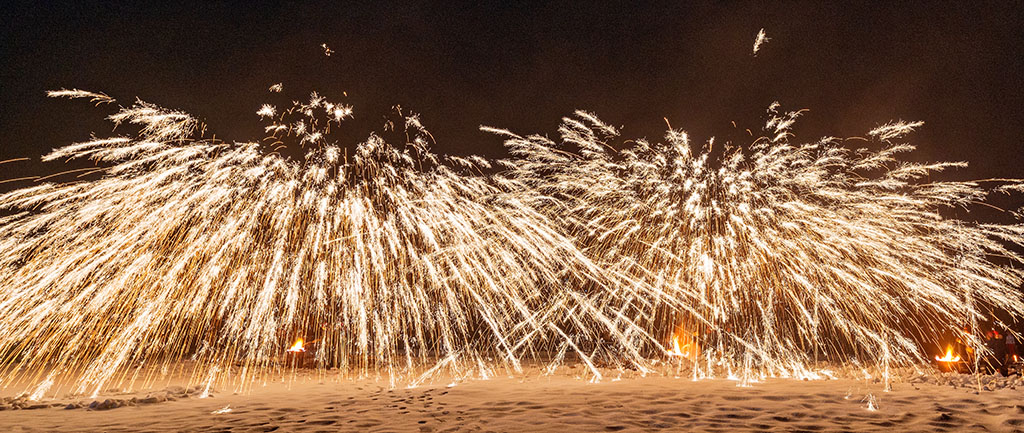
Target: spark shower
{"type": "Point", "coordinates": [772, 256]}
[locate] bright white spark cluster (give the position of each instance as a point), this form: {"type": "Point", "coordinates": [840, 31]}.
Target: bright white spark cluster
{"type": "Point", "coordinates": [759, 40]}
{"type": "Point", "coordinates": [97, 97]}
{"type": "Point", "coordinates": [391, 259]}
{"type": "Point", "coordinates": [773, 255]}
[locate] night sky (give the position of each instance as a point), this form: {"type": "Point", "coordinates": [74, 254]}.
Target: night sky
{"type": "Point", "coordinates": [959, 68]}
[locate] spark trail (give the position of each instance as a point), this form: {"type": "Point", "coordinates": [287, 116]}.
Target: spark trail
{"type": "Point", "coordinates": [190, 249]}
{"type": "Point", "coordinates": [395, 260]}
{"type": "Point", "coordinates": [777, 254]}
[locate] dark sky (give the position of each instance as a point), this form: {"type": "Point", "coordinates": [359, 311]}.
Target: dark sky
{"type": "Point", "coordinates": [958, 67]}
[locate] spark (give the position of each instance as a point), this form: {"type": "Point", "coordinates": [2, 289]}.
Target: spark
{"type": "Point", "coordinates": [194, 251]}
{"type": "Point", "coordinates": [42, 388]}
{"type": "Point", "coordinates": [13, 160]}
{"type": "Point", "coordinates": [267, 110]}
{"type": "Point", "coordinates": [872, 403]}
{"type": "Point", "coordinates": [97, 97]}
{"type": "Point", "coordinates": [779, 255]}
{"type": "Point", "coordinates": [760, 40]}
{"type": "Point", "coordinates": [772, 256]}
{"type": "Point", "coordinates": [327, 50]}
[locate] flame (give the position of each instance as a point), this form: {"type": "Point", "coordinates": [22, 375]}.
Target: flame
{"type": "Point", "coordinates": [297, 347]}
{"type": "Point", "coordinates": [950, 356]}
{"type": "Point", "coordinates": [683, 344]}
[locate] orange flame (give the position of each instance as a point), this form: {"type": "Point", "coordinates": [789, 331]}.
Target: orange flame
{"type": "Point", "coordinates": [683, 345]}
{"type": "Point", "coordinates": [950, 356]}
{"type": "Point", "coordinates": [297, 347]}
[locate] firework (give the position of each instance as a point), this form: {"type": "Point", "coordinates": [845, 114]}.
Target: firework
{"type": "Point", "coordinates": [223, 254]}
{"type": "Point", "coordinates": [776, 254]}
{"type": "Point", "coordinates": [758, 260]}
{"type": "Point", "coordinates": [759, 40]}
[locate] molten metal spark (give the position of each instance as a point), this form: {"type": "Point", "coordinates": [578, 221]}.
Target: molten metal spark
{"type": "Point", "coordinates": [97, 97]}
{"type": "Point", "coordinates": [396, 259]}
{"type": "Point", "coordinates": [391, 258]}
{"type": "Point", "coordinates": [760, 40]}
{"type": "Point", "coordinates": [684, 345]}
{"type": "Point", "coordinates": [780, 254]}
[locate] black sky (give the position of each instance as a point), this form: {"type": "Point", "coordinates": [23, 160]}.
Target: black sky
{"type": "Point", "coordinates": [958, 67]}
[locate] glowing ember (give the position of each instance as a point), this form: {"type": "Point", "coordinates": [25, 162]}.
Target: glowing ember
{"type": "Point", "coordinates": [949, 356]}
{"type": "Point", "coordinates": [297, 347]}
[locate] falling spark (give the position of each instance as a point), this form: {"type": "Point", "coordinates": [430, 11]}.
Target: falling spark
{"type": "Point", "coordinates": [327, 50]}
{"type": "Point", "coordinates": [42, 388]}
{"type": "Point", "coordinates": [97, 97]}
{"type": "Point", "coordinates": [277, 88]}
{"type": "Point", "coordinates": [872, 403]}
{"type": "Point", "coordinates": [209, 382]}
{"type": "Point", "coordinates": [776, 255]}
{"type": "Point", "coordinates": [13, 160]}
{"type": "Point", "coordinates": [779, 254]}
{"type": "Point", "coordinates": [267, 110]}
{"type": "Point", "coordinates": [760, 40]}
{"type": "Point", "coordinates": [190, 249]}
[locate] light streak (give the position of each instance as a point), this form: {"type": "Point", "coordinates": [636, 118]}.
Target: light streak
{"type": "Point", "coordinates": [396, 260]}
{"type": "Point", "coordinates": [97, 97]}
{"type": "Point", "coordinates": [760, 40]}
{"type": "Point", "coordinates": [779, 254]}
{"type": "Point", "coordinates": [192, 251]}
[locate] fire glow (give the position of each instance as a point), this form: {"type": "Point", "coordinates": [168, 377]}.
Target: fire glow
{"type": "Point", "coordinates": [684, 345]}
{"type": "Point", "coordinates": [949, 356]}
{"type": "Point", "coordinates": [297, 347]}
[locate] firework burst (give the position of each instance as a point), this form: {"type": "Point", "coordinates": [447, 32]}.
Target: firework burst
{"type": "Point", "coordinates": [391, 259]}
{"type": "Point", "coordinates": [777, 254]}
{"type": "Point", "coordinates": [761, 259]}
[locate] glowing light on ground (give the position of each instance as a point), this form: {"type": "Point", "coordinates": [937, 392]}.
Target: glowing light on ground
{"type": "Point", "coordinates": [297, 347]}
{"type": "Point", "coordinates": [949, 356]}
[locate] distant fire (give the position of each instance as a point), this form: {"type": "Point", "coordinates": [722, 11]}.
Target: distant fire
{"type": "Point", "coordinates": [297, 347]}
{"type": "Point", "coordinates": [684, 344]}
{"type": "Point", "coordinates": [949, 357]}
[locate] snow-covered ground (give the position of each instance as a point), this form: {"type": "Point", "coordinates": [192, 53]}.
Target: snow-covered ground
{"type": "Point", "coordinates": [534, 401]}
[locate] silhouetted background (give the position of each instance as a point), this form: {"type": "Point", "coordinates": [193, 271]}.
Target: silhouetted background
{"type": "Point", "coordinates": [959, 67]}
